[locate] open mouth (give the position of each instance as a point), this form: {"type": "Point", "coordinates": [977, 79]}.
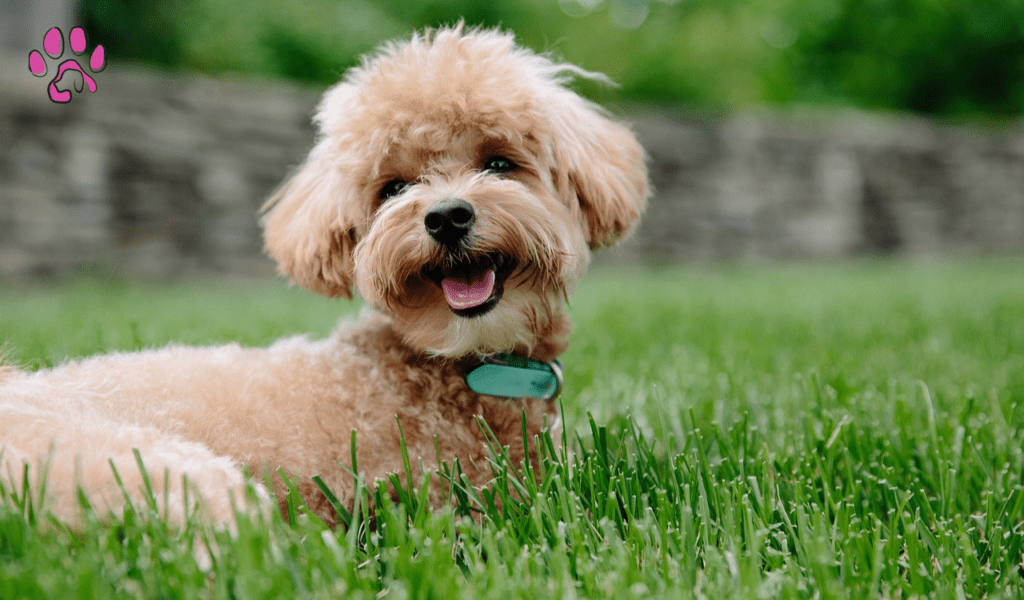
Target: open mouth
{"type": "Point", "coordinates": [472, 287]}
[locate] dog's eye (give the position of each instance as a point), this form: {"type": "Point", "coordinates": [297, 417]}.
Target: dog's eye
{"type": "Point", "coordinates": [499, 165]}
{"type": "Point", "coordinates": [392, 189]}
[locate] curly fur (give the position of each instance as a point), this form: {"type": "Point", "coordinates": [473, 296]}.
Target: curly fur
{"type": "Point", "coordinates": [429, 112]}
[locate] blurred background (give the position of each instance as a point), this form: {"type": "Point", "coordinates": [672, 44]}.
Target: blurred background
{"type": "Point", "coordinates": [776, 128]}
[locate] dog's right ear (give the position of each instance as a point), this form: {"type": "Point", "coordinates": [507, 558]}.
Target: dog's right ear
{"type": "Point", "coordinates": [306, 230]}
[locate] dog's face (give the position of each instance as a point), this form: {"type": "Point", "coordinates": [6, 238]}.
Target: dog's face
{"type": "Point", "coordinates": [459, 187]}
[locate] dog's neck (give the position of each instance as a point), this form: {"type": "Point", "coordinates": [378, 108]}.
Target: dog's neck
{"type": "Point", "coordinates": [551, 340]}
{"type": "Point", "coordinates": [503, 371]}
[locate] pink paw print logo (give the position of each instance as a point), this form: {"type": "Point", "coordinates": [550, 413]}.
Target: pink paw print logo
{"type": "Point", "coordinates": [53, 45]}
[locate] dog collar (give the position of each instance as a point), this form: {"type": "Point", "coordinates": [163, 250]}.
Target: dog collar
{"type": "Point", "coordinates": [509, 375]}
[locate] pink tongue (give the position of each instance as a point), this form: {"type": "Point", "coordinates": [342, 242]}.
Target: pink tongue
{"type": "Point", "coordinates": [461, 295]}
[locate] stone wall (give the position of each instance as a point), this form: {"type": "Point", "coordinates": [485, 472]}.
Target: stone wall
{"type": "Point", "coordinates": [153, 174]}
{"type": "Point", "coordinates": [160, 173]}
{"type": "Point", "coordinates": [802, 184]}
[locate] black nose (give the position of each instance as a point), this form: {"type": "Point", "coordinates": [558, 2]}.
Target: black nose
{"type": "Point", "coordinates": [449, 220]}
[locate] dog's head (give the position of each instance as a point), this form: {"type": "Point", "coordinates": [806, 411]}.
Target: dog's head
{"type": "Point", "coordinates": [459, 186]}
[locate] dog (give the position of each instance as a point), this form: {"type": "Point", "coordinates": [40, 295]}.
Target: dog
{"type": "Point", "coordinates": [458, 185]}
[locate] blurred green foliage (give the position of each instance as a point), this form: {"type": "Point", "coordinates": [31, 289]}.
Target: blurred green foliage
{"type": "Point", "coordinates": [949, 57]}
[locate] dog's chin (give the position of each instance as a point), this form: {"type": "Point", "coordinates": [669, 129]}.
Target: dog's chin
{"type": "Point", "coordinates": [502, 325]}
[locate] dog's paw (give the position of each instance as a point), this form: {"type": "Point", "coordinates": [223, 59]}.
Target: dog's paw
{"type": "Point", "coordinates": [53, 46]}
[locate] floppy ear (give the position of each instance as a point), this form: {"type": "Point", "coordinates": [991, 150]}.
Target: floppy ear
{"type": "Point", "coordinates": [602, 164]}
{"type": "Point", "coordinates": [306, 230]}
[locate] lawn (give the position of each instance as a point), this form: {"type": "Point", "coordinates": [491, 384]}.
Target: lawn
{"type": "Point", "coordinates": [829, 430]}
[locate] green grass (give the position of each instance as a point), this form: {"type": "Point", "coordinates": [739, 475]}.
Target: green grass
{"type": "Point", "coordinates": [842, 430]}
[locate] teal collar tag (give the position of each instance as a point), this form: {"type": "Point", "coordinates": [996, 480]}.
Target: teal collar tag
{"type": "Point", "coordinates": [509, 375]}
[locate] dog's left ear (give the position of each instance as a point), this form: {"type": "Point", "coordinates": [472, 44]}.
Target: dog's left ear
{"type": "Point", "coordinates": [307, 231]}
{"type": "Point", "coordinates": [603, 165]}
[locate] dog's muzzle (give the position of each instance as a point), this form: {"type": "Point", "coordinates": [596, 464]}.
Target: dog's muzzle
{"type": "Point", "coordinates": [472, 286]}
